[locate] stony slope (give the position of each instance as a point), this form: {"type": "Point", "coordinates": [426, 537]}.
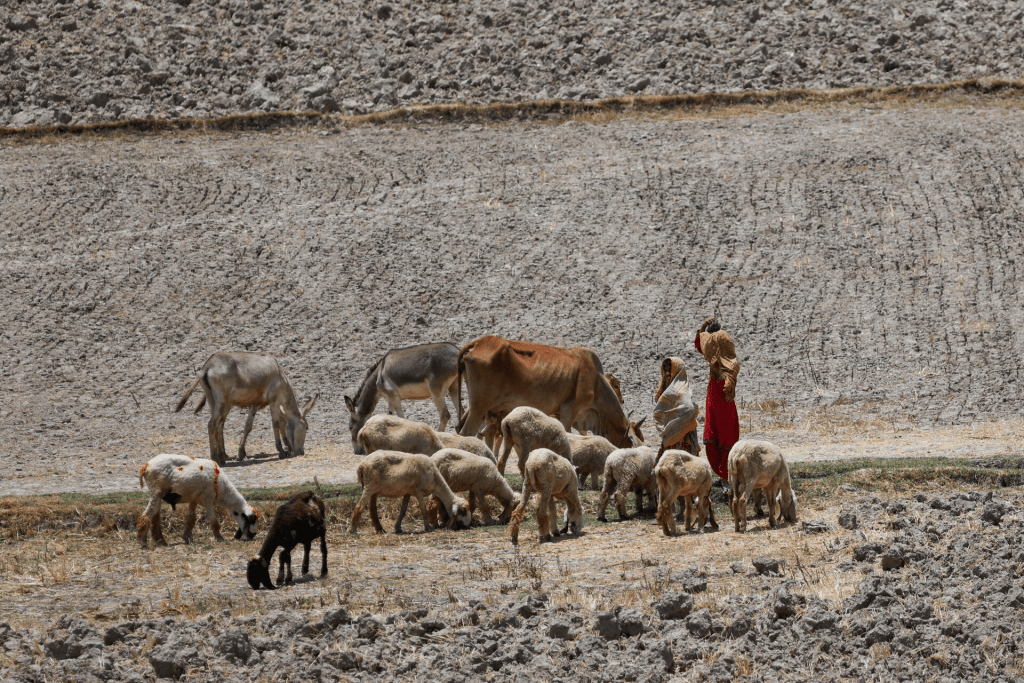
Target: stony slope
{"type": "Point", "coordinates": [76, 61]}
{"type": "Point", "coordinates": [865, 259]}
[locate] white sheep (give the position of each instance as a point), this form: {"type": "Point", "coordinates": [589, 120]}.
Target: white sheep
{"type": "Point", "coordinates": [465, 471]}
{"type": "Point", "coordinates": [402, 475]}
{"type": "Point", "coordinates": [681, 474]}
{"type": "Point", "coordinates": [555, 478]}
{"type": "Point", "coordinates": [589, 454]}
{"type": "Point", "coordinates": [527, 429]}
{"type": "Point", "coordinates": [466, 443]}
{"type": "Point", "coordinates": [625, 470]}
{"type": "Point", "coordinates": [759, 465]}
{"type": "Point", "coordinates": [184, 479]}
{"type": "Point", "coordinates": [391, 433]}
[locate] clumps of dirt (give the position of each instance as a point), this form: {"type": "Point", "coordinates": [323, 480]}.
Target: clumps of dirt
{"type": "Point", "coordinates": [206, 58]}
{"type": "Point", "coordinates": [940, 596]}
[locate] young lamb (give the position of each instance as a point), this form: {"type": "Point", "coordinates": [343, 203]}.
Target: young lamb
{"type": "Point", "coordinates": [589, 454]}
{"type": "Point", "coordinates": [759, 465]}
{"type": "Point", "coordinates": [393, 474]}
{"type": "Point", "coordinates": [465, 471]}
{"type": "Point", "coordinates": [390, 433]}
{"type": "Point", "coordinates": [466, 443]}
{"type": "Point", "coordinates": [526, 429]}
{"type": "Point", "coordinates": [555, 478]}
{"type": "Point", "coordinates": [300, 520]}
{"type": "Point", "coordinates": [184, 479]}
{"type": "Point", "coordinates": [679, 473]}
{"type": "Point", "coordinates": [625, 470]}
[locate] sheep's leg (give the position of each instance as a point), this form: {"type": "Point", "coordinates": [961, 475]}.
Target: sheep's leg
{"type": "Point", "coordinates": [402, 511]}
{"type": "Point", "coordinates": [190, 523]}
{"type": "Point", "coordinates": [284, 559]}
{"type": "Point", "coordinates": [245, 432]}
{"type": "Point", "coordinates": [544, 513]}
{"type": "Point", "coordinates": [664, 515]}
{"type": "Point", "coordinates": [211, 517]}
{"type": "Point", "coordinates": [375, 515]}
{"type": "Point", "coordinates": [606, 495]}
{"type": "Point", "coordinates": [620, 502]}
{"type": "Point", "coordinates": [323, 553]}
{"type": "Point", "coordinates": [150, 522]}
{"type": "Point", "coordinates": [504, 452]}
{"type": "Point", "coordinates": [773, 506]}
{"type": "Point", "coordinates": [520, 512]}
{"type": "Point", "coordinates": [422, 500]}
{"type": "Point", "coordinates": [485, 508]}
{"type": "Point", "coordinates": [357, 512]}
{"type": "Point", "coordinates": [305, 556]}
{"type": "Point", "coordinates": [553, 518]}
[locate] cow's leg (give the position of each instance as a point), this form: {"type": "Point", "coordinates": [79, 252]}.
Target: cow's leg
{"type": "Point", "coordinates": [474, 419]}
{"type": "Point", "coordinates": [245, 432]}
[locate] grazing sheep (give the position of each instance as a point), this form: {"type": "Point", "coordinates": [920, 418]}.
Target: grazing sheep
{"type": "Point", "coordinates": [300, 520]}
{"type": "Point", "coordinates": [465, 471]}
{"type": "Point", "coordinates": [401, 475]}
{"type": "Point", "coordinates": [625, 470]}
{"type": "Point", "coordinates": [759, 465]}
{"type": "Point", "coordinates": [184, 479]}
{"type": "Point", "coordinates": [526, 429]}
{"type": "Point", "coordinates": [589, 454]}
{"type": "Point", "coordinates": [466, 443]}
{"type": "Point", "coordinates": [680, 473]}
{"type": "Point", "coordinates": [390, 433]}
{"type": "Point", "coordinates": [555, 478]}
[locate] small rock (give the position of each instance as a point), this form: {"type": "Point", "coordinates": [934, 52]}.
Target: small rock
{"type": "Point", "coordinates": [993, 513]}
{"type": "Point", "coordinates": [814, 526]}
{"type": "Point", "coordinates": [766, 565]}
{"type": "Point", "coordinates": [674, 606]}
{"type": "Point", "coordinates": [16, 23]}
{"type": "Point", "coordinates": [607, 625]}
{"type": "Point", "coordinates": [848, 519]}
{"type": "Point", "coordinates": [561, 629]}
{"type": "Point", "coordinates": [893, 558]}
{"type": "Point", "coordinates": [639, 84]}
{"type": "Point", "coordinates": [235, 644]}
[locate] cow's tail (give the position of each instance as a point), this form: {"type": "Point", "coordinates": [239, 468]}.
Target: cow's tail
{"type": "Point", "coordinates": [188, 392]}
{"type": "Point", "coordinates": [459, 367]}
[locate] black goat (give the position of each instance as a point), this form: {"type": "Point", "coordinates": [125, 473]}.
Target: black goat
{"type": "Point", "coordinates": [300, 520]}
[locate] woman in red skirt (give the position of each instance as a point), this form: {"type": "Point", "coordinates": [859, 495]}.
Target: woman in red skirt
{"type": "Point", "coordinates": [721, 423]}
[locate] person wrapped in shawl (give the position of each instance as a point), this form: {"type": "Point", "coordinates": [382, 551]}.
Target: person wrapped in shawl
{"type": "Point", "coordinates": [721, 422]}
{"type": "Point", "coordinates": [675, 413]}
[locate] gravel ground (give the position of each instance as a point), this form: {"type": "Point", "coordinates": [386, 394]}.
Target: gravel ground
{"type": "Point", "coordinates": [934, 594]}
{"type": "Point", "coordinates": [865, 260]}
{"type": "Point", "coordinates": [78, 61]}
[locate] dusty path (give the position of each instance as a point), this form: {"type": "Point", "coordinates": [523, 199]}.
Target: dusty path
{"type": "Point", "coordinates": [866, 261]}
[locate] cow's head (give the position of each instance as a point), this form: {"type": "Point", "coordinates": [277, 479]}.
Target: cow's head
{"type": "Point", "coordinates": [355, 423]}
{"type": "Point", "coordinates": [296, 427]}
{"type": "Point", "coordinates": [623, 437]}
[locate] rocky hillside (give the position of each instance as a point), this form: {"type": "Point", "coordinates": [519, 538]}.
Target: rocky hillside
{"type": "Point", "coordinates": [77, 61]}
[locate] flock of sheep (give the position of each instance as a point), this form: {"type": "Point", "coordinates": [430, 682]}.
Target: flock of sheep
{"type": "Point", "coordinates": [406, 459]}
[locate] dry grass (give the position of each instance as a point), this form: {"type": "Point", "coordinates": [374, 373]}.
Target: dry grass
{"type": "Point", "coordinates": [684, 106]}
{"type": "Point", "coordinates": [70, 558]}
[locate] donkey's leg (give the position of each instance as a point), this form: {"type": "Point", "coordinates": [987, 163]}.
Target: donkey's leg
{"type": "Point", "coordinates": [245, 433]}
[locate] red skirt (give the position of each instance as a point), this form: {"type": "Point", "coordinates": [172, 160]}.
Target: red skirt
{"type": "Point", "coordinates": [721, 427]}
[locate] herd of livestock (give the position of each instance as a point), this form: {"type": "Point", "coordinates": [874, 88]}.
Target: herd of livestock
{"type": "Point", "coordinates": [520, 397]}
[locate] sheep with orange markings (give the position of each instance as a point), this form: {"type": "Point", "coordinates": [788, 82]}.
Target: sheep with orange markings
{"type": "Point", "coordinates": [192, 481]}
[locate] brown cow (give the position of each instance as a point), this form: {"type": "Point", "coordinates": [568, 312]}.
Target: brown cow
{"type": "Point", "coordinates": [502, 375]}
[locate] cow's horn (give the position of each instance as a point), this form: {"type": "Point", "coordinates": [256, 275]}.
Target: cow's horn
{"type": "Point", "coordinates": [630, 416]}
{"type": "Point", "coordinates": [281, 408]}
{"type": "Point", "coordinates": [639, 422]}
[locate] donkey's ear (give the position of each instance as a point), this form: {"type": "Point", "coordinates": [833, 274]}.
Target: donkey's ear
{"type": "Point", "coordinates": [309, 405]}
{"type": "Point", "coordinates": [350, 404]}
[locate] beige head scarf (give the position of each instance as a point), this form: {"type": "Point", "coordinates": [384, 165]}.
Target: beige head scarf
{"type": "Point", "coordinates": [720, 353]}
{"type": "Point", "coordinates": [675, 414]}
